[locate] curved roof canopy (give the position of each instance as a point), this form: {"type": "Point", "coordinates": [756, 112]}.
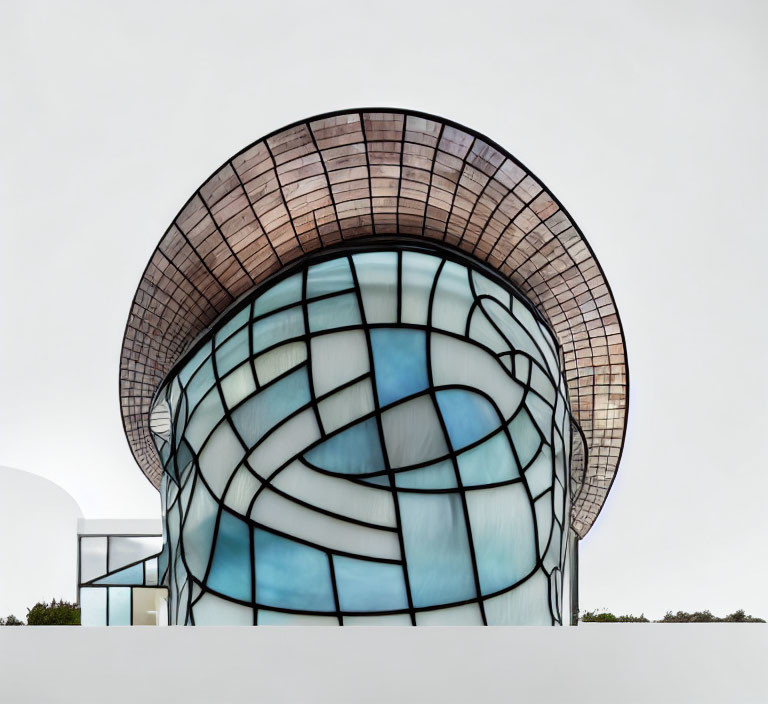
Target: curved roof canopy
{"type": "Point", "coordinates": [389, 172]}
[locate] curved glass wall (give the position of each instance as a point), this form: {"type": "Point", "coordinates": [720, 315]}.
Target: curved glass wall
{"type": "Point", "coordinates": [377, 437]}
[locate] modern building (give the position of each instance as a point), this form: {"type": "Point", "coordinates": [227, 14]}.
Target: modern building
{"type": "Point", "coordinates": [378, 377]}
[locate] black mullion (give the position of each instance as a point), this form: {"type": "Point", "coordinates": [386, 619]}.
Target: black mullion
{"type": "Point", "coordinates": [431, 178]}
{"type": "Point", "coordinates": [282, 196]}
{"type": "Point", "coordinates": [449, 445]}
{"type": "Point", "coordinates": [335, 588]}
{"type": "Point", "coordinates": [368, 169]}
{"type": "Point", "coordinates": [382, 442]}
{"type": "Point", "coordinates": [321, 154]}
{"type": "Point", "coordinates": [456, 187]}
{"type": "Point", "coordinates": [308, 343]}
{"type": "Point", "coordinates": [397, 200]}
{"type": "Point", "coordinates": [399, 277]}
{"type": "Point", "coordinates": [490, 180]}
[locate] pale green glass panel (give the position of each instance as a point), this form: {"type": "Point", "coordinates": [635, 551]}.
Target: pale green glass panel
{"type": "Point", "coordinates": [272, 364]}
{"type": "Point", "coordinates": [377, 277]}
{"type": "Point", "coordinates": [539, 474]}
{"type": "Point", "coordinates": [525, 437]}
{"type": "Point", "coordinates": [412, 433]}
{"type": "Point", "coordinates": [490, 462]}
{"type": "Point", "coordinates": [481, 330]}
{"type": "Point", "coordinates": [277, 327]}
{"type": "Point", "coordinates": [238, 385]}
{"type": "Point", "coordinates": [328, 277]}
{"type": "Point", "coordinates": [241, 491]}
{"type": "Point", "coordinates": [119, 606]}
{"type": "Point", "coordinates": [192, 365]}
{"type": "Point", "coordinates": [434, 476]}
{"type": "Point", "coordinates": [198, 530]}
{"type": "Point", "coordinates": [336, 312]}
{"type": "Point", "coordinates": [465, 615]}
{"type": "Point", "coordinates": [552, 556]}
{"type": "Point", "coordinates": [281, 294]}
{"type": "Point", "coordinates": [522, 368]}
{"type": "Point", "coordinates": [232, 352]}
{"type": "Point", "coordinates": [237, 322]}
{"type": "Point", "coordinates": [285, 442]}
{"type": "Point", "coordinates": [525, 605]}
{"type": "Point", "coordinates": [346, 405]}
{"type": "Point", "coordinates": [205, 417]}
{"type": "Point", "coordinates": [286, 516]}
{"type": "Point", "coordinates": [338, 358]}
{"type": "Point", "coordinates": [485, 287]}
{"type": "Point", "coordinates": [337, 494]}
{"type": "Point", "coordinates": [543, 385]}
{"type": "Point", "coordinates": [544, 520]}
{"type": "Point", "coordinates": [382, 620]}
{"type": "Point", "coordinates": [418, 276]}
{"type": "Point", "coordinates": [220, 457]}
{"type": "Point", "coordinates": [519, 337]}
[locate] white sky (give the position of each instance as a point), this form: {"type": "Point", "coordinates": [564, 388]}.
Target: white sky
{"type": "Point", "coordinates": [647, 119]}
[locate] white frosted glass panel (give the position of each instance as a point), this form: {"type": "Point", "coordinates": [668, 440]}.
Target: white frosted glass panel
{"type": "Point", "coordinates": [278, 327]}
{"type": "Point", "coordinates": [206, 415]}
{"type": "Point", "coordinates": [93, 557]}
{"type": "Point", "coordinates": [338, 358]}
{"type": "Point", "coordinates": [279, 360]}
{"type": "Point", "coordinates": [346, 405]}
{"type": "Point", "coordinates": [288, 439]}
{"type": "Point", "coordinates": [485, 287]}
{"type": "Point", "coordinates": [281, 294]}
{"type": "Point", "coordinates": [543, 385]}
{"type": "Point", "coordinates": [418, 276]}
{"type": "Point", "coordinates": [503, 535]}
{"type": "Point", "coordinates": [525, 437]}
{"type": "Point", "coordinates": [377, 276]}
{"type": "Point", "coordinates": [524, 315]}
{"type": "Point", "coordinates": [522, 368]}
{"type": "Point", "coordinates": [279, 618]}
{"type": "Point", "coordinates": [544, 520]}
{"type": "Point", "coordinates": [481, 330]}
{"type": "Point", "coordinates": [198, 530]}
{"type": "Point", "coordinates": [413, 433]}
{"type": "Point", "coordinates": [539, 474]}
{"type": "Point", "coordinates": [237, 385]}
{"type": "Point", "coordinates": [275, 511]}
{"type": "Point", "coordinates": [150, 572]}
{"type": "Point", "coordinates": [328, 277]}
{"type": "Point", "coordinates": [552, 556]}
{"type": "Point", "coordinates": [124, 551]}
{"type": "Point", "coordinates": [119, 606]}
{"type": "Point", "coordinates": [461, 363]}
{"type": "Point", "coordinates": [221, 454]}
{"type": "Point", "coordinates": [517, 335]}
{"type": "Point", "coordinates": [337, 495]}
{"type": "Point", "coordinates": [466, 615]}
{"type": "Point", "coordinates": [93, 606]}
{"type": "Point", "coordinates": [526, 605]}
{"type": "Point", "coordinates": [453, 299]}
{"type": "Point", "coordinates": [541, 413]}
{"type": "Point", "coordinates": [383, 620]}
{"type": "Point", "coordinates": [241, 491]}
{"type": "Point", "coordinates": [210, 610]}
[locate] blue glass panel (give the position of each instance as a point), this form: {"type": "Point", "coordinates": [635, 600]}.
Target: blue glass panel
{"type": "Point", "coordinates": [231, 567]}
{"type": "Point", "coordinates": [266, 409]}
{"type": "Point", "coordinates": [334, 312]}
{"type": "Point", "coordinates": [282, 294]}
{"type": "Point", "coordinates": [200, 384]}
{"type": "Point", "coordinates": [356, 450]}
{"type": "Point", "coordinates": [119, 606]}
{"type": "Point", "coordinates": [328, 277]}
{"type": "Point", "coordinates": [129, 575]}
{"type": "Point", "coordinates": [489, 462]}
{"type": "Point", "coordinates": [503, 535]}
{"type": "Point", "coordinates": [281, 326]}
{"type": "Point", "coordinates": [291, 575]}
{"type": "Point", "coordinates": [525, 437]}
{"type": "Point", "coordinates": [468, 416]}
{"type": "Point", "coordinates": [435, 476]}
{"type": "Point", "coordinates": [369, 586]}
{"type": "Point", "coordinates": [232, 352]}
{"type": "Point", "coordinates": [235, 324]}
{"type": "Point", "coordinates": [191, 367]}
{"type": "Point", "coordinates": [399, 358]}
{"type": "Point", "coordinates": [436, 548]}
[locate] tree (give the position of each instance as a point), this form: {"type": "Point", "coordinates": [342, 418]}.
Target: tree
{"type": "Point", "coordinates": [11, 621]}
{"type": "Point", "coordinates": [57, 613]}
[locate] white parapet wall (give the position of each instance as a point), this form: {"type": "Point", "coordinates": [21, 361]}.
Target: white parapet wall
{"type": "Point", "coordinates": [597, 663]}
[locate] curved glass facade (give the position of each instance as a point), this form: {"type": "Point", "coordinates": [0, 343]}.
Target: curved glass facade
{"type": "Point", "coordinates": [380, 436]}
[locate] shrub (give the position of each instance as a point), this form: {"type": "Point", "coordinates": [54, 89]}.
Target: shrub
{"type": "Point", "coordinates": [11, 621]}
{"type": "Point", "coordinates": [608, 617]}
{"type": "Point", "coordinates": [57, 613]}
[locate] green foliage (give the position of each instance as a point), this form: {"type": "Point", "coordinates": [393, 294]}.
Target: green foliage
{"type": "Point", "coordinates": [680, 617]}
{"type": "Point", "coordinates": [608, 617]}
{"type": "Point", "coordinates": [707, 617]}
{"type": "Point", "coordinates": [11, 621]}
{"type": "Point", "coordinates": [57, 613]}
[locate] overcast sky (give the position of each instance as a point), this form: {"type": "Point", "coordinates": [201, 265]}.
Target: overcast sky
{"type": "Point", "coordinates": [646, 119]}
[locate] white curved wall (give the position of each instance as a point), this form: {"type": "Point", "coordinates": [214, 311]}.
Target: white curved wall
{"type": "Point", "coordinates": [38, 542]}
